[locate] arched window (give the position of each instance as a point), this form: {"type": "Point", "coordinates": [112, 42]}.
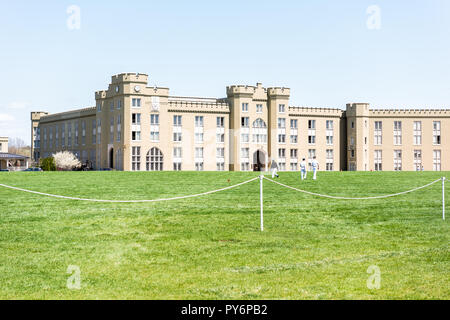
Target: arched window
{"type": "Point", "coordinates": [259, 130]}
{"type": "Point", "coordinates": [154, 160]}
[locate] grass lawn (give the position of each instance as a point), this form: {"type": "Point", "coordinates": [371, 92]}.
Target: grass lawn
{"type": "Point", "coordinates": [211, 248]}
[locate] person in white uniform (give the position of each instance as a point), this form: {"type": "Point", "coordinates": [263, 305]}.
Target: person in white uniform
{"type": "Point", "coordinates": [315, 167]}
{"type": "Point", "coordinates": [274, 168]}
{"type": "Point", "coordinates": [303, 169]}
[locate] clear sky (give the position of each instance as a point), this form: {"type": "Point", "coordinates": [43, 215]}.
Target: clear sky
{"type": "Point", "coordinates": [328, 52]}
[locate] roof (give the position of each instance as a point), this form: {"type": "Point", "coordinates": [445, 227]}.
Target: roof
{"type": "Point", "coordinates": [4, 155]}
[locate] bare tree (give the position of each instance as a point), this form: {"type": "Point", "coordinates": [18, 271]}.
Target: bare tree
{"type": "Point", "coordinates": [18, 146]}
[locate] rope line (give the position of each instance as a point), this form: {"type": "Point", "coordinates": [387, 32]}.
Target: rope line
{"type": "Point", "coordinates": [130, 201]}
{"type": "Point", "coordinates": [348, 198]}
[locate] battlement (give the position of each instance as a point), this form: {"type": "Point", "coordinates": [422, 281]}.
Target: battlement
{"type": "Point", "coordinates": [129, 77]}
{"type": "Point", "coordinates": [198, 106]}
{"type": "Point", "coordinates": [312, 111]}
{"type": "Point", "coordinates": [36, 115]}
{"type": "Point", "coordinates": [241, 89]}
{"type": "Point", "coordinates": [78, 113]}
{"type": "Point", "coordinates": [278, 91]}
{"type": "Point", "coordinates": [410, 112]}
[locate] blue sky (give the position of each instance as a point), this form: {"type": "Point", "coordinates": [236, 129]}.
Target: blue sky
{"type": "Point", "coordinates": [322, 50]}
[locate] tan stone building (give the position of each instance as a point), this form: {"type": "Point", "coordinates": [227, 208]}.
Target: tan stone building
{"type": "Point", "coordinates": [134, 127]}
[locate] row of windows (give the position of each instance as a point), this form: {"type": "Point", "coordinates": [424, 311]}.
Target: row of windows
{"type": "Point", "coordinates": [259, 108]}
{"type": "Point", "coordinates": [378, 160]}
{"type": "Point", "coordinates": [398, 133]}
{"type": "Point", "coordinates": [154, 160]}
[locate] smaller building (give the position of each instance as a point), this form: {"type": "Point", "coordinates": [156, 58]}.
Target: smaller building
{"type": "Point", "coordinates": [9, 161]}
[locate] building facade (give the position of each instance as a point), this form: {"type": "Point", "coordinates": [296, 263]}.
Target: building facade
{"type": "Point", "coordinates": [134, 127]}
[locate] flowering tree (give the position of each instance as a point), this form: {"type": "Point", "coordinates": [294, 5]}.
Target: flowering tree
{"type": "Point", "coordinates": [66, 160]}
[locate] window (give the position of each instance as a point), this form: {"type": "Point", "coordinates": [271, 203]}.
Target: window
{"type": "Point", "coordinates": [378, 136]}
{"type": "Point", "coordinates": [329, 160]}
{"type": "Point", "coordinates": [281, 123]}
{"type": "Point", "coordinates": [294, 138]}
{"type": "Point", "coordinates": [111, 106]}
{"type": "Point", "coordinates": [281, 153]}
{"type": "Point", "coordinates": [259, 130]}
{"type": "Point", "coordinates": [436, 133]}
{"type": "Point", "coordinates": [397, 133]}
{"type": "Point", "coordinates": [136, 158]}
{"type": "Point", "coordinates": [294, 124]}
{"type": "Point", "coordinates": [417, 127]}
{"type": "Point", "coordinates": [281, 138]}
{"type": "Point", "coordinates": [329, 132]}
{"type": "Point", "coordinates": [177, 128]}
{"type": "Point", "coordinates": [220, 122]}
{"type": "Point", "coordinates": [245, 153]}
{"type": "Point", "coordinates": [63, 135]}
{"type": "Point", "coordinates": [119, 104]}
{"type": "Point", "coordinates": [136, 102]}
{"type": "Point", "coordinates": [418, 160]}
{"type": "Point", "coordinates": [378, 160]}
{"type": "Point", "coordinates": [136, 135]}
{"type": "Point", "coordinates": [220, 153]}
{"type": "Point", "coordinates": [199, 121]}
{"type": "Point", "coordinates": [76, 134]}
{"type": "Point", "coordinates": [259, 108]}
{"type": "Point", "coordinates": [177, 121]}
{"type": "Point", "coordinates": [111, 130]}
{"type": "Point", "coordinates": [177, 155]}
{"type": "Point", "coordinates": [69, 135]}
{"type": "Point", "coordinates": [199, 166]}
{"type": "Point", "coordinates": [177, 152]}
{"type": "Point", "coordinates": [245, 122]}
{"type": "Point", "coordinates": [244, 137]}
{"type": "Point", "coordinates": [199, 152]}
{"type": "Point", "coordinates": [99, 132]}
{"type": "Point", "coordinates": [436, 160]}
{"type": "Point", "coordinates": [154, 127]}
{"type": "Point", "coordinates": [397, 160]}
{"type": "Point", "coordinates": [99, 106]}
{"type": "Point", "coordinates": [220, 166]}
{"type": "Point", "coordinates": [94, 131]}
{"type": "Point", "coordinates": [353, 125]}
{"type": "Point", "coordinates": [329, 124]}
{"type": "Point", "coordinates": [294, 166]}
{"type": "Point", "coordinates": [199, 137]}
{"type": "Point", "coordinates": [56, 136]}
{"type": "Point", "coordinates": [136, 119]}
{"type": "Point", "coordinates": [177, 166]}
{"type": "Point", "coordinates": [154, 160]}
{"type": "Point", "coordinates": [220, 137]}
{"type": "Point", "coordinates": [311, 131]}
{"type": "Point", "coordinates": [281, 108]}
{"type": "Point", "coordinates": [294, 153]}
{"type": "Point", "coordinates": [119, 128]}
{"type": "Point", "coordinates": [245, 107]}
{"type": "Point", "coordinates": [245, 166]}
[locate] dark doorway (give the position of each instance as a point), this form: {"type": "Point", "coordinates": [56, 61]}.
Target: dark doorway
{"type": "Point", "coordinates": [259, 161]}
{"type": "Point", "coordinates": [111, 158]}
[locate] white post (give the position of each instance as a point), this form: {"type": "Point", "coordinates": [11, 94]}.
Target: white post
{"type": "Point", "coordinates": [261, 177]}
{"type": "Point", "coordinates": [443, 198]}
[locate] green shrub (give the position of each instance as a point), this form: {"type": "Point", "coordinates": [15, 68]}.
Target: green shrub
{"type": "Point", "coordinates": [48, 164]}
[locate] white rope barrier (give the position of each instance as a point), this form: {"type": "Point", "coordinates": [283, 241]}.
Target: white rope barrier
{"type": "Point", "coordinates": [348, 198]}
{"type": "Point", "coordinates": [129, 201]}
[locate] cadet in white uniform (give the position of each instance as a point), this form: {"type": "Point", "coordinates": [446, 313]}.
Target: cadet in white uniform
{"type": "Point", "coordinates": [315, 167]}
{"type": "Point", "coordinates": [274, 168]}
{"type": "Point", "coordinates": [303, 169]}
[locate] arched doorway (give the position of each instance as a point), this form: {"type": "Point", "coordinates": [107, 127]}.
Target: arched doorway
{"type": "Point", "coordinates": [259, 161]}
{"type": "Point", "coordinates": [154, 160]}
{"type": "Point", "coordinates": [111, 158]}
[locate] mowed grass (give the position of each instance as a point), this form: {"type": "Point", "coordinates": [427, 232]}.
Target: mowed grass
{"type": "Point", "coordinates": [211, 248]}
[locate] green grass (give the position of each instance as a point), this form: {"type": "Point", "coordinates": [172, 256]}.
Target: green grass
{"type": "Point", "coordinates": [211, 247]}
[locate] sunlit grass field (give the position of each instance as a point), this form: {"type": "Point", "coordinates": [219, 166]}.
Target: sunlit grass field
{"type": "Point", "coordinates": [211, 247]}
